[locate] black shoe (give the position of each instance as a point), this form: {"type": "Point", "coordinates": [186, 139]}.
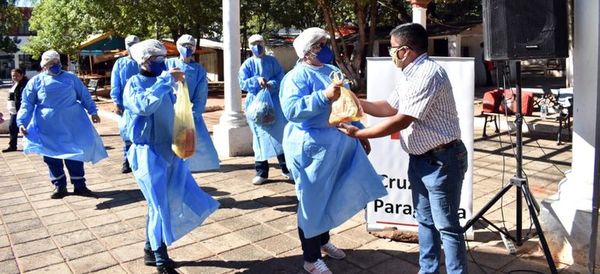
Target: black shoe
{"type": "Point", "coordinates": [59, 192]}
{"type": "Point", "coordinates": [10, 149]}
{"type": "Point", "coordinates": [149, 258]}
{"type": "Point", "coordinates": [125, 168]}
{"type": "Point", "coordinates": [84, 191]}
{"type": "Point", "coordinates": [166, 269]}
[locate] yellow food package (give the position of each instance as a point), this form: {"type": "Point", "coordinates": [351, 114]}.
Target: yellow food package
{"type": "Point", "coordinates": [346, 108]}
{"type": "Point", "coordinates": [184, 130]}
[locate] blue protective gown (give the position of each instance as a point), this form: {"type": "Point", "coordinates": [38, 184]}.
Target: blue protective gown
{"type": "Point", "coordinates": [124, 68]}
{"type": "Point", "coordinates": [176, 205]}
{"type": "Point", "coordinates": [206, 157]}
{"type": "Point", "coordinates": [53, 109]}
{"type": "Point", "coordinates": [334, 178]}
{"type": "Point", "coordinates": [266, 139]}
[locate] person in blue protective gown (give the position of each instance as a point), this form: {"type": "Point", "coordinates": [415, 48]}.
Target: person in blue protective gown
{"type": "Point", "coordinates": [206, 157]}
{"type": "Point", "coordinates": [333, 176]}
{"type": "Point", "coordinates": [260, 72]}
{"type": "Point", "coordinates": [176, 204]}
{"type": "Point", "coordinates": [124, 68]}
{"type": "Point", "coordinates": [55, 124]}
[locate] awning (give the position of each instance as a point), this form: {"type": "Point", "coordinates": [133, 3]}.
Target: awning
{"type": "Point", "coordinates": [101, 44]}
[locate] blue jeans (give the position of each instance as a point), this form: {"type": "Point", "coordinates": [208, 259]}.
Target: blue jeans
{"type": "Point", "coordinates": [13, 130]}
{"type": "Point", "coordinates": [57, 173]}
{"type": "Point", "coordinates": [436, 180]}
{"type": "Point", "coordinates": [262, 167]}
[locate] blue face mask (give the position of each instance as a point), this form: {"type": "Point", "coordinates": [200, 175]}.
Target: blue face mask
{"type": "Point", "coordinates": [157, 67]}
{"type": "Point", "coordinates": [54, 69]}
{"type": "Point", "coordinates": [185, 51]}
{"type": "Point", "coordinates": [257, 50]}
{"type": "Point", "coordinates": [325, 55]}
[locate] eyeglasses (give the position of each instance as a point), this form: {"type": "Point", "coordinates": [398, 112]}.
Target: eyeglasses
{"type": "Point", "coordinates": [393, 50]}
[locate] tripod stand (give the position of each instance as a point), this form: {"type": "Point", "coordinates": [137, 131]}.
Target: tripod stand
{"type": "Point", "coordinates": [522, 189]}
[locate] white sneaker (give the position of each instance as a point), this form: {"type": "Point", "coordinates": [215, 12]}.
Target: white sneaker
{"type": "Point", "coordinates": [258, 180]}
{"type": "Point", "coordinates": [286, 175]}
{"type": "Point", "coordinates": [332, 251]}
{"type": "Point", "coordinates": [318, 267]}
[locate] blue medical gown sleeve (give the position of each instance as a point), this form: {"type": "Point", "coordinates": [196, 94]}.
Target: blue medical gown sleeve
{"type": "Point", "coordinates": [298, 103]}
{"type": "Point", "coordinates": [28, 100]}
{"type": "Point", "coordinates": [275, 80]}
{"type": "Point", "coordinates": [146, 102]}
{"type": "Point", "coordinates": [83, 95]}
{"type": "Point", "coordinates": [248, 81]}
{"type": "Point", "coordinates": [116, 90]}
{"type": "Point", "coordinates": [200, 95]}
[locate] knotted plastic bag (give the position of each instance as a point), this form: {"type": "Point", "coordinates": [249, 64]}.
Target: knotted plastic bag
{"type": "Point", "coordinates": [262, 110]}
{"type": "Point", "coordinates": [346, 108]}
{"type": "Point", "coordinates": [184, 131]}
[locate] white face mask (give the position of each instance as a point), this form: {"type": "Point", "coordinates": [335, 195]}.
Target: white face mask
{"type": "Point", "coordinates": [398, 62]}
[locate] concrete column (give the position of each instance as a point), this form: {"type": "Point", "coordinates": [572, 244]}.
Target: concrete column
{"type": "Point", "coordinates": [454, 46]}
{"type": "Point", "coordinates": [17, 59]}
{"type": "Point", "coordinates": [419, 11]}
{"type": "Point", "coordinates": [232, 136]}
{"type": "Point", "coordinates": [566, 216]}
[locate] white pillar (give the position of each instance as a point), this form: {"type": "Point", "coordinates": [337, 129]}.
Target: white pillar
{"type": "Point", "coordinates": [419, 14]}
{"type": "Point", "coordinates": [454, 45]}
{"type": "Point", "coordinates": [566, 216]}
{"type": "Point", "coordinates": [232, 136]}
{"type": "Point", "coordinates": [17, 59]}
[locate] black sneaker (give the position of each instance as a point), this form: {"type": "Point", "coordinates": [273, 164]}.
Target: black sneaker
{"type": "Point", "coordinates": [166, 269]}
{"type": "Point", "coordinates": [59, 192]}
{"type": "Point", "coordinates": [10, 149]}
{"type": "Point", "coordinates": [125, 168]}
{"type": "Point", "coordinates": [84, 191]}
{"type": "Point", "coordinates": [149, 258]}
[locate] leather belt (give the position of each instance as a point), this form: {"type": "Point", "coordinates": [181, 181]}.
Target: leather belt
{"type": "Point", "coordinates": [444, 146]}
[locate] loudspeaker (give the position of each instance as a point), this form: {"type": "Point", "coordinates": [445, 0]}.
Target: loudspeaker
{"type": "Point", "coordinates": [525, 29]}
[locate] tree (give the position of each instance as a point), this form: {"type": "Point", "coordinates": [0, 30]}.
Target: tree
{"type": "Point", "coordinates": [10, 19]}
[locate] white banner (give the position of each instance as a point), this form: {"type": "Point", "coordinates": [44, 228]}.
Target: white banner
{"type": "Point", "coordinates": [390, 161]}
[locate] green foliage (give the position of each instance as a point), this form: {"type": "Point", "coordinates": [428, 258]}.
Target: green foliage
{"type": "Point", "coordinates": [10, 18]}
{"type": "Point", "coordinates": [266, 16]}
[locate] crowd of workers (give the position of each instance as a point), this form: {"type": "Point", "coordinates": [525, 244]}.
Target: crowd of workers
{"type": "Point", "coordinates": [328, 163]}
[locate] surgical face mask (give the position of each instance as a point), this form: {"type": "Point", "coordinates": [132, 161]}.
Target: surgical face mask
{"type": "Point", "coordinates": [257, 50]}
{"type": "Point", "coordinates": [185, 51]}
{"type": "Point", "coordinates": [54, 69]}
{"type": "Point", "coordinates": [157, 67]}
{"type": "Point", "coordinates": [325, 55]}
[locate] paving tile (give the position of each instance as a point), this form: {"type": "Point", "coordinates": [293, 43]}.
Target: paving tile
{"type": "Point", "coordinates": [16, 208]}
{"type": "Point", "coordinates": [61, 268]}
{"type": "Point", "coordinates": [66, 227]}
{"type": "Point", "coordinates": [103, 219]}
{"type": "Point", "coordinates": [40, 260]}
{"type": "Point", "coordinates": [238, 223]}
{"type": "Point", "coordinates": [29, 235]}
{"type": "Point", "coordinates": [59, 218]}
{"type": "Point", "coordinates": [4, 241]}
{"type": "Point", "coordinates": [9, 267]}
{"type": "Point", "coordinates": [82, 249]}
{"type": "Point", "coordinates": [117, 269]}
{"type": "Point", "coordinates": [93, 263]}
{"type": "Point", "coordinates": [33, 247]}
{"type": "Point", "coordinates": [6, 254]}
{"type": "Point", "coordinates": [47, 203]}
{"type": "Point", "coordinates": [122, 239]}
{"type": "Point", "coordinates": [11, 195]}
{"type": "Point", "coordinates": [257, 232]}
{"type": "Point", "coordinates": [53, 210]}
{"type": "Point", "coordinates": [190, 253]}
{"type": "Point", "coordinates": [74, 237]}
{"type": "Point", "coordinates": [209, 231]}
{"type": "Point", "coordinates": [278, 244]}
{"type": "Point", "coordinates": [212, 265]}
{"type": "Point", "coordinates": [21, 216]}
{"type": "Point", "coordinates": [285, 224]}
{"type": "Point", "coordinates": [130, 252]}
{"type": "Point", "coordinates": [225, 242]}
{"type": "Point", "coordinates": [111, 229]}
{"type": "Point", "coordinates": [393, 265]}
{"type": "Point", "coordinates": [13, 201]}
{"type": "Point", "coordinates": [138, 267]}
{"type": "Point", "coordinates": [247, 253]}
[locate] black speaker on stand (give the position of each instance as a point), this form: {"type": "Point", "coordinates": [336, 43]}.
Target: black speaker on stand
{"type": "Point", "coordinates": [519, 30]}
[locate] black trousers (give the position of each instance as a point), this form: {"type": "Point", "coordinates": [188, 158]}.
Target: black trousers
{"type": "Point", "coordinates": [13, 130]}
{"type": "Point", "coordinates": [311, 247]}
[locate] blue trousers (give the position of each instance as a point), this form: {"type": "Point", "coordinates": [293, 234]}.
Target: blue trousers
{"type": "Point", "coordinates": [57, 173]}
{"type": "Point", "coordinates": [311, 247]}
{"type": "Point", "coordinates": [436, 180]}
{"type": "Point", "coordinates": [262, 167]}
{"type": "Point", "coordinates": [160, 254]}
{"type": "Point", "coordinates": [126, 146]}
